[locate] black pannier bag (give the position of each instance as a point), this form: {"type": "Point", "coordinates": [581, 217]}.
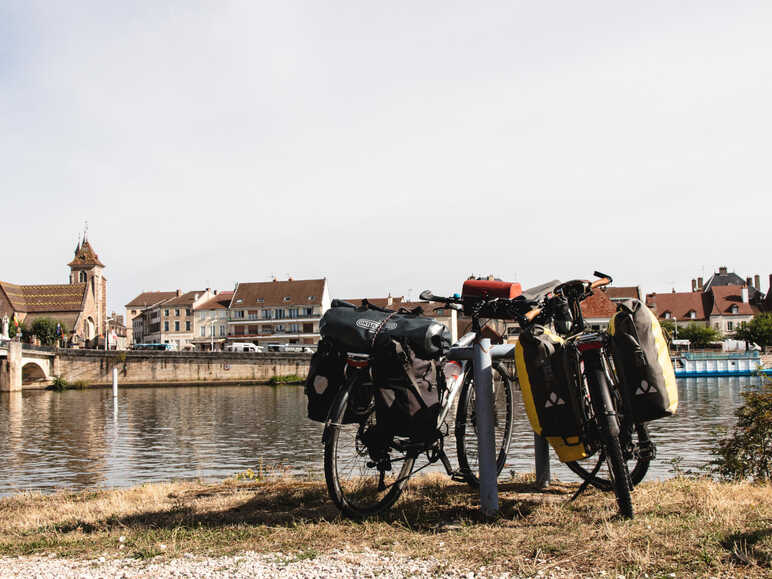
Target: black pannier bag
{"type": "Point", "coordinates": [362, 330]}
{"type": "Point", "coordinates": [407, 400]}
{"type": "Point", "coordinates": [325, 379]}
{"type": "Point", "coordinates": [642, 361]}
{"type": "Point", "coordinates": [544, 375]}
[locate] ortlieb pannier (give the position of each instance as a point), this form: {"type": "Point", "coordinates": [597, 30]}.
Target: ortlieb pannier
{"type": "Point", "coordinates": [642, 361]}
{"type": "Point", "coordinates": [363, 330]}
{"type": "Point", "coordinates": [407, 398]}
{"type": "Point", "coordinates": [544, 376]}
{"type": "Point", "coordinates": [325, 379]}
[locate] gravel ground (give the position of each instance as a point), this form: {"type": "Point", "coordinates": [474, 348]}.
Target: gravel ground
{"type": "Point", "coordinates": [336, 564]}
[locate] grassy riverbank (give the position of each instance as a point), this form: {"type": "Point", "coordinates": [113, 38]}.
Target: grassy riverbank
{"type": "Point", "coordinates": [682, 526]}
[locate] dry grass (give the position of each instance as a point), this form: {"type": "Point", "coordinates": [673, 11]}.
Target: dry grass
{"type": "Point", "coordinates": [686, 526]}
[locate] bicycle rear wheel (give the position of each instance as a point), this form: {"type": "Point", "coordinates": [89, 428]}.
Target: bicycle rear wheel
{"type": "Point", "coordinates": [466, 424]}
{"type": "Point", "coordinates": [361, 481]}
{"type": "Point", "coordinates": [606, 413]}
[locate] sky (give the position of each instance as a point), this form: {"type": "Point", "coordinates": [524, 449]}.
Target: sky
{"type": "Point", "coordinates": [388, 146]}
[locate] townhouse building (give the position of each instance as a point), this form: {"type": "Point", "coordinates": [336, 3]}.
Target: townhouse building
{"type": "Point", "coordinates": [210, 322]}
{"type": "Point", "coordinates": [135, 321]}
{"type": "Point", "coordinates": [285, 312]}
{"type": "Point", "coordinates": [169, 321]}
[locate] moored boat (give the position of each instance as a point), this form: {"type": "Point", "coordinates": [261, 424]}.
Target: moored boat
{"type": "Point", "coordinates": [696, 365]}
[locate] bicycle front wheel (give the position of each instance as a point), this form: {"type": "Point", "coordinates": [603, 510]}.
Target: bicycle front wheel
{"type": "Point", "coordinates": [364, 475]}
{"type": "Point", "coordinates": [466, 424]}
{"type": "Point", "coordinates": [609, 423]}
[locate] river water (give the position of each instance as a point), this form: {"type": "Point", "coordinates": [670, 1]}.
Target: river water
{"type": "Point", "coordinates": [80, 439]}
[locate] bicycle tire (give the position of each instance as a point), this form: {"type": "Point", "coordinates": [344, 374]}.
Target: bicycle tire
{"type": "Point", "coordinates": [466, 431]}
{"type": "Point", "coordinates": [601, 398]}
{"type": "Point", "coordinates": [637, 473]}
{"type": "Point", "coordinates": [353, 493]}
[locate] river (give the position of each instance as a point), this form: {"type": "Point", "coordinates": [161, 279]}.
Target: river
{"type": "Point", "coordinates": [80, 438]}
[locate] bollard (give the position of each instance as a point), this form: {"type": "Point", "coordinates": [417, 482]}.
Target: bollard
{"type": "Point", "coordinates": [541, 452]}
{"type": "Point", "coordinates": [486, 439]}
{"type": "Point", "coordinates": [115, 382]}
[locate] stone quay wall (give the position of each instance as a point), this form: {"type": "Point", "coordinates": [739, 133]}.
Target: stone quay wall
{"type": "Point", "coordinates": [95, 367]}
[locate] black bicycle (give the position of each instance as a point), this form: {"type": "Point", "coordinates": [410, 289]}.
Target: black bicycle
{"type": "Point", "coordinates": [614, 439]}
{"type": "Point", "coordinates": [366, 471]}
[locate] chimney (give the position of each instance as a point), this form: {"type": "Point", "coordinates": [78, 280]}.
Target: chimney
{"type": "Point", "coordinates": [274, 279]}
{"type": "Point", "coordinates": [757, 282]}
{"type": "Point", "coordinates": [744, 292]}
{"type": "Point", "coordinates": [215, 292]}
{"type": "Point", "coordinates": [748, 282]}
{"type": "Point", "coordinates": [722, 270]}
{"type": "Point", "coordinates": [290, 278]}
{"type": "Point", "coordinates": [179, 292]}
{"type": "Point", "coordinates": [699, 283]}
{"type": "Point", "coordinates": [389, 300]}
{"type": "Point", "coordinates": [694, 285]}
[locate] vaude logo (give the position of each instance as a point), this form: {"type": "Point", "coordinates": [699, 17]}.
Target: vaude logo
{"type": "Point", "coordinates": [372, 325]}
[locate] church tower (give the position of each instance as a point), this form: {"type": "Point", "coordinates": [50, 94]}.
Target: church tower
{"type": "Point", "coordinates": [85, 268]}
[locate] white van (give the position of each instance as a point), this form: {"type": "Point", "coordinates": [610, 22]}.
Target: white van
{"type": "Point", "coordinates": [243, 347]}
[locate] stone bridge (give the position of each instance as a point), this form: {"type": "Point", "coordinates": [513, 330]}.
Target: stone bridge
{"type": "Point", "coordinates": [21, 364]}
{"type": "Point", "coordinates": [26, 366]}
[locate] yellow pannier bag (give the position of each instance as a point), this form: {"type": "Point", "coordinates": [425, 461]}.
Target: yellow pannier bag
{"type": "Point", "coordinates": [544, 379]}
{"type": "Point", "coordinates": [642, 361]}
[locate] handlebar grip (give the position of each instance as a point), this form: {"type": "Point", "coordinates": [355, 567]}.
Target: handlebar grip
{"type": "Point", "coordinates": [531, 316]}
{"type": "Point", "coordinates": [600, 282]}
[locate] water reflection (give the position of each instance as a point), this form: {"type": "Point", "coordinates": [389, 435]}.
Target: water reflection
{"type": "Point", "coordinates": [76, 439]}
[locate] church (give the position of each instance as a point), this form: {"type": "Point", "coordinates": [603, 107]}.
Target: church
{"type": "Point", "coordinates": [80, 305]}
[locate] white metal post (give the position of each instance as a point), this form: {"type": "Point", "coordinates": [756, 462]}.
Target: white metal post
{"type": "Point", "coordinates": [115, 382]}
{"type": "Point", "coordinates": [486, 439]}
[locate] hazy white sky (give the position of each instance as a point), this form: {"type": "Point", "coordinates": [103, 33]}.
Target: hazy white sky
{"type": "Point", "coordinates": [389, 146]}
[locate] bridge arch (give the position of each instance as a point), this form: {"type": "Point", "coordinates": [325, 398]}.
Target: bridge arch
{"type": "Point", "coordinates": [33, 372]}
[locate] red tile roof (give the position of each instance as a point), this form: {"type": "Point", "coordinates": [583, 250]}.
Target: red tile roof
{"type": "Point", "coordinates": [273, 293]}
{"type": "Point", "coordinates": [396, 302]}
{"type": "Point", "coordinates": [146, 299]}
{"type": "Point", "coordinates": [724, 297]}
{"type": "Point", "coordinates": [679, 304]}
{"type": "Point", "coordinates": [186, 299]}
{"type": "Point", "coordinates": [85, 256]}
{"type": "Point", "coordinates": [45, 298]}
{"type": "Point", "coordinates": [218, 302]}
{"type": "Point", "coordinates": [598, 305]}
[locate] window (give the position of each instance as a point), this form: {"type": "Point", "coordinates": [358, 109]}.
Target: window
{"type": "Point", "coordinates": [166, 312]}
{"type": "Point", "coordinates": [187, 325]}
{"type": "Point", "coordinates": [177, 312]}
{"type": "Point", "coordinates": [311, 298]}
{"type": "Point", "coordinates": [187, 311]}
{"type": "Point", "coordinates": [82, 276]}
{"type": "Point", "coordinates": [238, 301]}
{"type": "Point", "coordinates": [267, 314]}
{"type": "Point", "coordinates": [176, 326]}
{"type": "Point", "coordinates": [133, 312]}
{"type": "Point", "coordinates": [667, 315]}
{"type": "Point", "coordinates": [260, 300]}
{"type": "Point", "coordinates": [222, 331]}
{"type": "Point", "coordinates": [238, 314]}
{"type": "Point", "coordinates": [279, 314]}
{"type": "Point", "coordinates": [203, 331]}
{"type": "Point", "coordinates": [716, 326]}
{"type": "Point", "coordinates": [293, 312]}
{"type": "Point", "coordinates": [287, 299]}
{"type": "Point", "coordinates": [309, 311]}
{"type": "Point", "coordinates": [730, 326]}
{"type": "Point", "coordinates": [692, 315]}
{"type": "Point", "coordinates": [733, 310]}
{"type": "Point", "coordinates": [221, 313]}
{"type": "Point", "coordinates": [166, 326]}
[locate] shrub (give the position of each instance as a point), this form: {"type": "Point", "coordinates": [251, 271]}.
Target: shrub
{"type": "Point", "coordinates": [699, 336]}
{"type": "Point", "coordinates": [59, 384]}
{"type": "Point", "coordinates": [46, 330]}
{"type": "Point", "coordinates": [285, 379]}
{"type": "Point", "coordinates": [747, 452]}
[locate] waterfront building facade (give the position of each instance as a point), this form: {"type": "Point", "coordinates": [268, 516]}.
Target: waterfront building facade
{"type": "Point", "coordinates": [210, 322]}
{"type": "Point", "coordinates": [135, 321]}
{"type": "Point", "coordinates": [282, 312]}
{"type": "Point", "coordinates": [171, 321]}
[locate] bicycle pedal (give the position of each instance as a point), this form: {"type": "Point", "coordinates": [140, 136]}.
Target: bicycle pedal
{"type": "Point", "coordinates": [458, 476]}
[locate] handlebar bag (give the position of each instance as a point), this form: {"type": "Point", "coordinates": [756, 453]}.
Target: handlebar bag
{"type": "Point", "coordinates": [363, 330]}
{"type": "Point", "coordinates": [407, 400]}
{"type": "Point", "coordinates": [642, 360]}
{"type": "Point", "coordinates": [544, 376]}
{"type": "Point", "coordinates": [325, 379]}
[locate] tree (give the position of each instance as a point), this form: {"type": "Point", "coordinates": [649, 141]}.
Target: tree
{"type": "Point", "coordinates": [668, 328]}
{"type": "Point", "coordinates": [758, 330]}
{"type": "Point", "coordinates": [46, 330]}
{"type": "Point", "coordinates": [699, 336]}
{"type": "Point", "coordinates": [747, 452]}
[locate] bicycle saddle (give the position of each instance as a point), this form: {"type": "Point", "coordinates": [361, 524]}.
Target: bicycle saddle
{"type": "Point", "coordinates": [534, 294]}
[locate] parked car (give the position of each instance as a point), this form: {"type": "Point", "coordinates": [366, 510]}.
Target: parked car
{"type": "Point", "coordinates": [243, 347]}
